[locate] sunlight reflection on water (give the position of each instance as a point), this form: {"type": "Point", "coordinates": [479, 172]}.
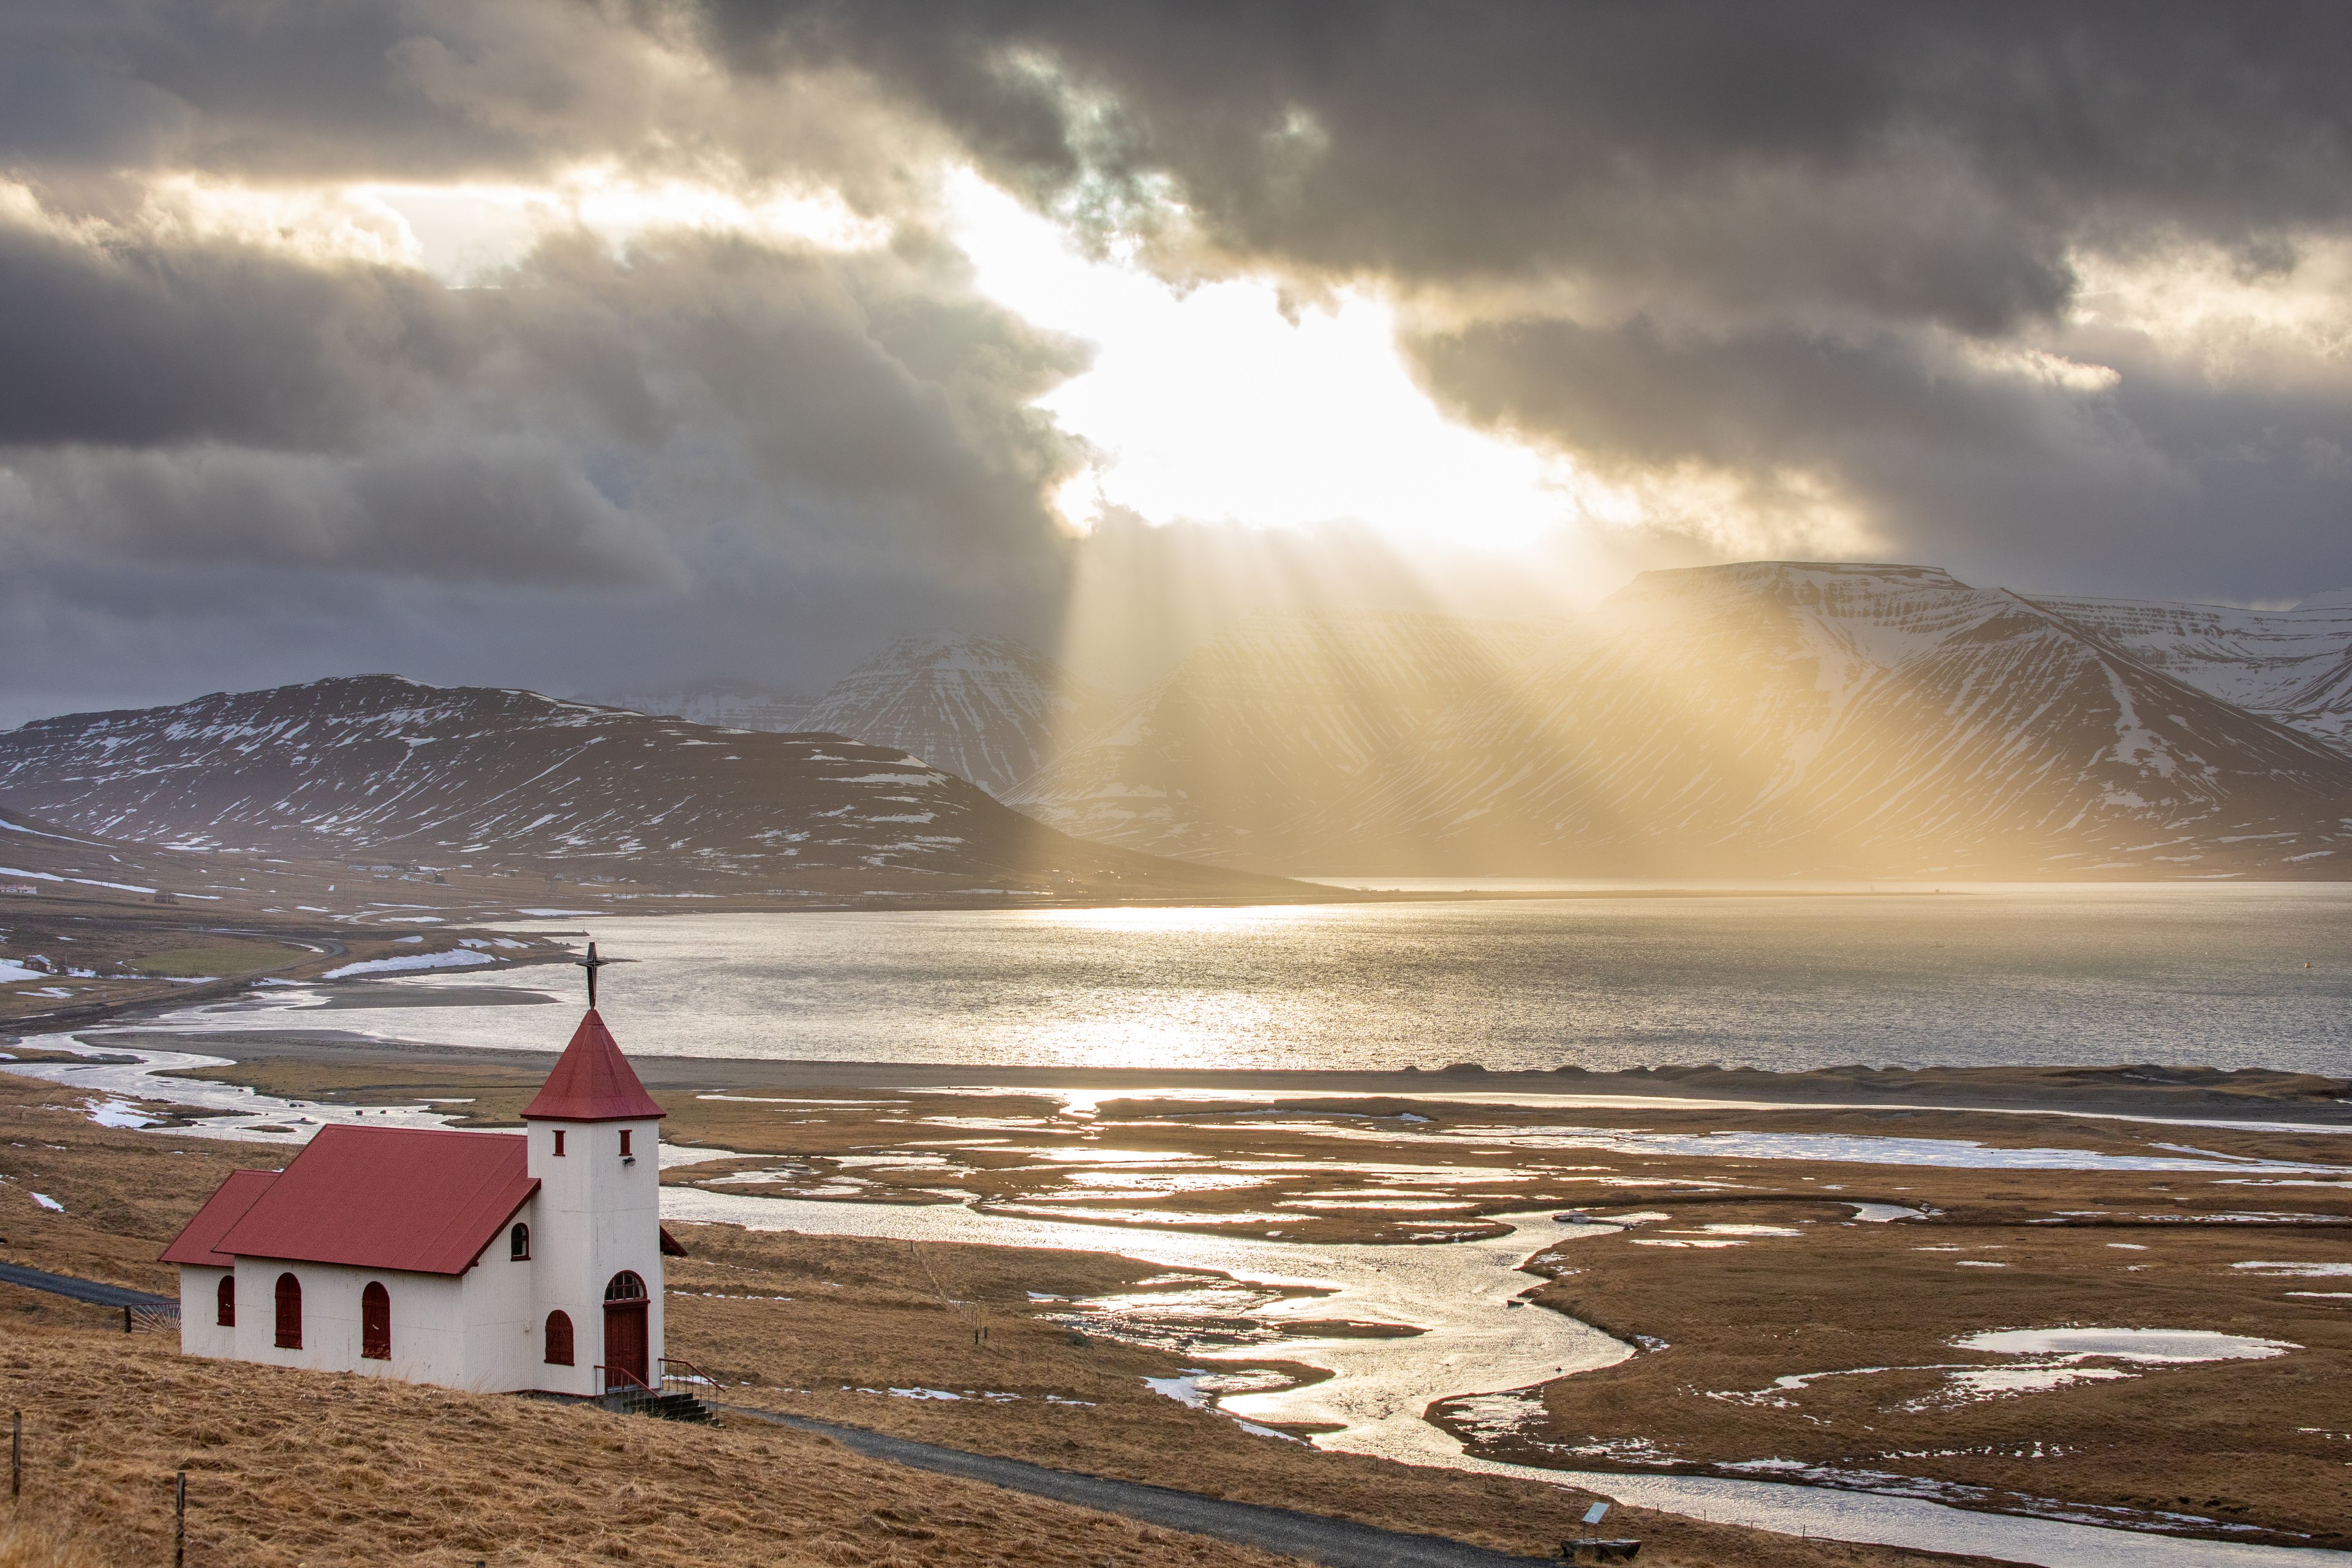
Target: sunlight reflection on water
{"type": "Point", "coordinates": [2064, 975]}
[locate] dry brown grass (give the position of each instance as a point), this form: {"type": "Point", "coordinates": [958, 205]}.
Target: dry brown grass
{"type": "Point", "coordinates": [292, 1467]}
{"type": "Point", "coordinates": [37, 1543]}
{"type": "Point", "coordinates": [2258, 1443]}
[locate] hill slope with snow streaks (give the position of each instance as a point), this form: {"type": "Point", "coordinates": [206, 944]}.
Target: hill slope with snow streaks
{"type": "Point", "coordinates": [386, 768]}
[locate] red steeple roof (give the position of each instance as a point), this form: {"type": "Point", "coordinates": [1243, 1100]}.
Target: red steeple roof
{"type": "Point", "coordinates": [593, 1082]}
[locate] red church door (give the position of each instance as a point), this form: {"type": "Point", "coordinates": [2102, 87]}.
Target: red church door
{"type": "Point", "coordinates": [627, 1358]}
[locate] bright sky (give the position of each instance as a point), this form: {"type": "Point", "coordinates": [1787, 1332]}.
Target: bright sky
{"type": "Point", "coordinates": [1212, 405]}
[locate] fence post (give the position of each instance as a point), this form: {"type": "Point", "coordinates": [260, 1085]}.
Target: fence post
{"type": "Point", "coordinates": [180, 1522]}
{"type": "Point", "coordinates": [126, 1319]}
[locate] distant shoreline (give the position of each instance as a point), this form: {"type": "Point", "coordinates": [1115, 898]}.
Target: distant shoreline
{"type": "Point", "coordinates": [2186, 1095]}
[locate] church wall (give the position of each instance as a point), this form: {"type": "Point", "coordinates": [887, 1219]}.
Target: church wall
{"type": "Point", "coordinates": [199, 1329]}
{"type": "Point", "coordinates": [428, 1320]}
{"type": "Point", "coordinates": [500, 1329]}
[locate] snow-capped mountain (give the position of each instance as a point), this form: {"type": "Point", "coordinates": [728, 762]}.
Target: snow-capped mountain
{"type": "Point", "coordinates": [379, 767]}
{"type": "Point", "coordinates": [1265, 725]}
{"type": "Point", "coordinates": [731, 707]}
{"type": "Point", "coordinates": [1842, 720]}
{"type": "Point", "coordinates": [988, 709]}
{"type": "Point", "coordinates": [1765, 719]}
{"type": "Point", "coordinates": [2293, 665]}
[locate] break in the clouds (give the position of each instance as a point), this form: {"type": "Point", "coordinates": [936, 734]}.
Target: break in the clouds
{"type": "Point", "coordinates": [609, 345]}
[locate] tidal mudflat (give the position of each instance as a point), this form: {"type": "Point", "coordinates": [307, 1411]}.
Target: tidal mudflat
{"type": "Point", "coordinates": [1800, 1291]}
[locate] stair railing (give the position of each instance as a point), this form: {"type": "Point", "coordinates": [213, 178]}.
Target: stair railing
{"type": "Point", "coordinates": [680, 1375]}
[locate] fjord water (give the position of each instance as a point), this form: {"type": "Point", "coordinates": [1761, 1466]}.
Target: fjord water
{"type": "Point", "coordinates": [2227, 976]}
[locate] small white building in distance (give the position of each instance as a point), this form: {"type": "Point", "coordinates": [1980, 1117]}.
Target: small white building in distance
{"type": "Point", "coordinates": [492, 1262]}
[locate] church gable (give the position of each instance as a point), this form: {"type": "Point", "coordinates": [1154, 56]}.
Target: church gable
{"type": "Point", "coordinates": [199, 1242]}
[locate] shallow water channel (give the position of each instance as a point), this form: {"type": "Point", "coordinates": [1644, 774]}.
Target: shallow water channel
{"type": "Point", "coordinates": [1471, 1343]}
{"type": "Point", "coordinates": [1456, 1293]}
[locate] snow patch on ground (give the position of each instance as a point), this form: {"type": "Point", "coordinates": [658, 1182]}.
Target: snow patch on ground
{"type": "Point", "coordinates": [456, 958]}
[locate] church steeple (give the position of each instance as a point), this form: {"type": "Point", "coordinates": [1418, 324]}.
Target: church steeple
{"type": "Point", "coordinates": [593, 1082]}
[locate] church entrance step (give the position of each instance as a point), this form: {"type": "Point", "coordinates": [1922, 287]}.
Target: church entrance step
{"type": "Point", "coordinates": [661, 1406]}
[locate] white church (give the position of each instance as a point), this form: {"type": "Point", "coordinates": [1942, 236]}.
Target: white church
{"type": "Point", "coordinates": [493, 1261]}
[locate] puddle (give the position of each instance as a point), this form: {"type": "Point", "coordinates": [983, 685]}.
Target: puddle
{"type": "Point", "coordinates": [2126, 1344]}
{"type": "Point", "coordinates": [1416, 1205]}
{"type": "Point", "coordinates": [1948, 1154]}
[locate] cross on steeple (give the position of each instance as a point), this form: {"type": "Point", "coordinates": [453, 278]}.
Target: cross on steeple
{"type": "Point", "coordinates": [592, 963]}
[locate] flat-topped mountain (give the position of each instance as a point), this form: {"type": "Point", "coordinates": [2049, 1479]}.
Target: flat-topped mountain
{"type": "Point", "coordinates": [987, 709]}
{"type": "Point", "coordinates": [381, 768]}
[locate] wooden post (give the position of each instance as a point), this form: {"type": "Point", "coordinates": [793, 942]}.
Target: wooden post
{"type": "Point", "coordinates": [180, 1522]}
{"type": "Point", "coordinates": [126, 1320]}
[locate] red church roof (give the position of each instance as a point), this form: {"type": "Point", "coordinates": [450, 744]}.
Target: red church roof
{"type": "Point", "coordinates": [195, 1243]}
{"type": "Point", "coordinates": [593, 1082]}
{"type": "Point", "coordinates": [422, 1201]}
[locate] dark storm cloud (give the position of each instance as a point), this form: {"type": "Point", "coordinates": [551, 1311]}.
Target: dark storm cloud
{"type": "Point", "coordinates": [878, 404]}
{"type": "Point", "coordinates": [1926, 161]}
{"type": "Point", "coordinates": [870, 404]}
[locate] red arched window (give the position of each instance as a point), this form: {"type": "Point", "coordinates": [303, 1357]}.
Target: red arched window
{"type": "Point", "coordinates": [226, 1298]}
{"type": "Point", "coordinates": [289, 1312]}
{"type": "Point", "coordinates": [375, 1323]}
{"type": "Point", "coordinates": [559, 1338]}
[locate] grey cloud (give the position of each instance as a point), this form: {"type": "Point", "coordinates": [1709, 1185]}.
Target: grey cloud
{"type": "Point", "coordinates": [2168, 481]}
{"type": "Point", "coordinates": [878, 404]}
{"type": "Point", "coordinates": [55, 109]}
{"type": "Point", "coordinates": [130, 340]}
{"type": "Point", "coordinates": [456, 509]}
{"type": "Point", "coordinates": [699, 454]}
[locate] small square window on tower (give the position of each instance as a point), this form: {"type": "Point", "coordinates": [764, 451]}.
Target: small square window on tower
{"type": "Point", "coordinates": [624, 1144]}
{"type": "Point", "coordinates": [558, 1142]}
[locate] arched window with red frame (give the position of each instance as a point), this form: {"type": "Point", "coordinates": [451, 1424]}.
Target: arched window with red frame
{"type": "Point", "coordinates": [289, 1312]}
{"type": "Point", "coordinates": [559, 1338]}
{"type": "Point", "coordinates": [224, 1301]}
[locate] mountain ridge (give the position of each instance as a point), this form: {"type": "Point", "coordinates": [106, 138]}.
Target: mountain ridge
{"type": "Point", "coordinates": [391, 768]}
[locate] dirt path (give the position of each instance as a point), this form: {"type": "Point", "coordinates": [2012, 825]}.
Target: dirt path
{"type": "Point", "coordinates": [1277, 1530]}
